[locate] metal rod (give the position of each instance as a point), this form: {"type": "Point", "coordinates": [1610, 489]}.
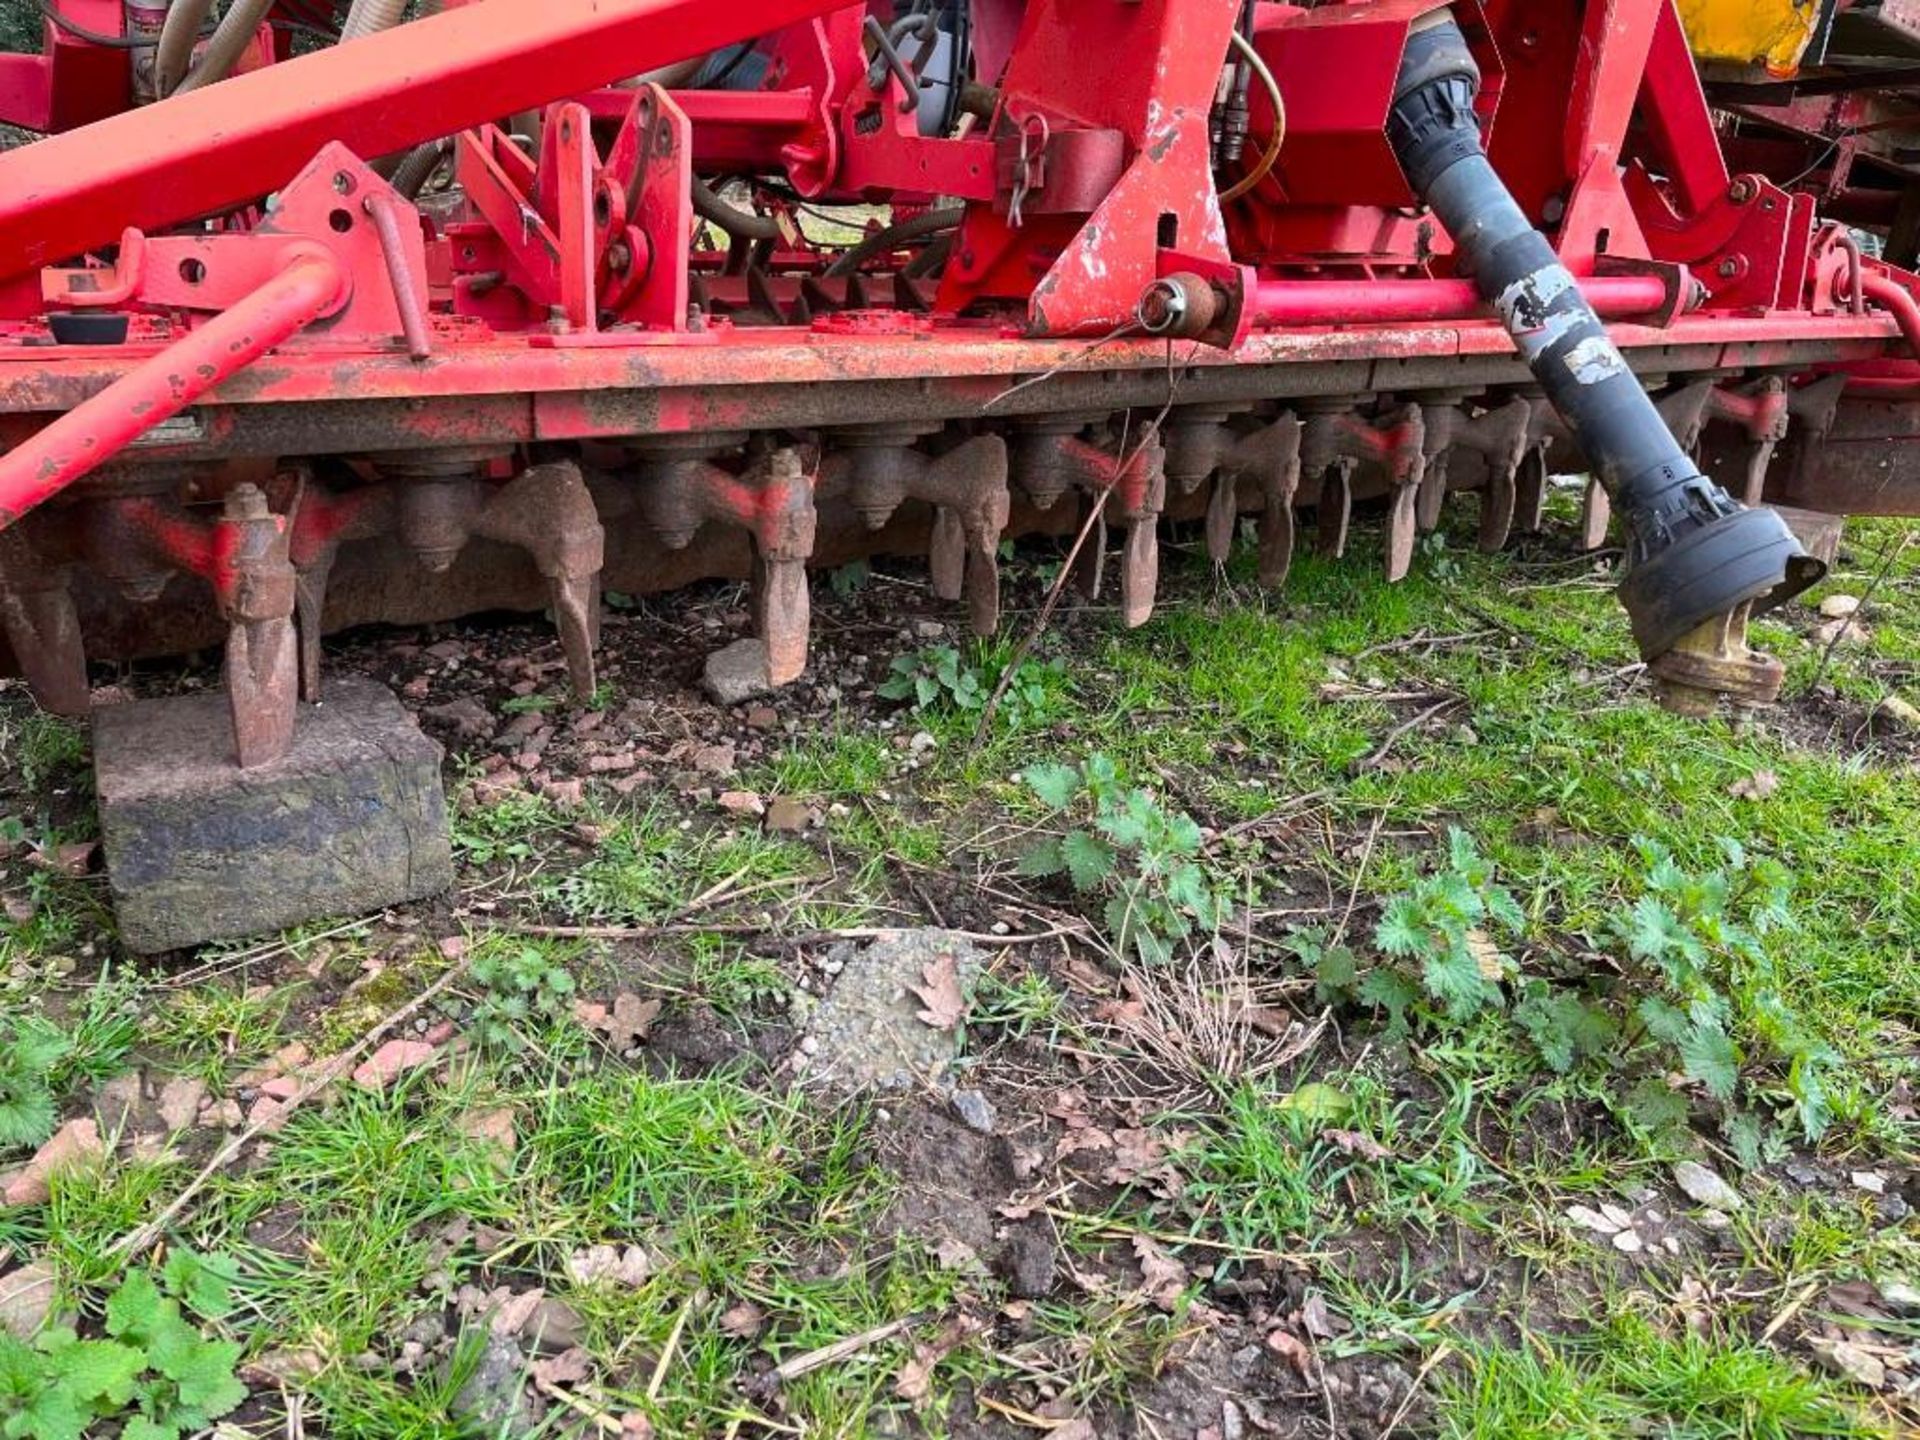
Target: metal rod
{"type": "Point", "coordinates": [388, 214]}
{"type": "Point", "coordinates": [160, 387]}
{"type": "Point", "coordinates": [1365, 302]}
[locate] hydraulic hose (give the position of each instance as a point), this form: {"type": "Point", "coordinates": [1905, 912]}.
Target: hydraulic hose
{"type": "Point", "coordinates": [179, 33]}
{"type": "Point", "coordinates": [230, 40]}
{"type": "Point", "coordinates": [370, 17]}
{"type": "Point", "coordinates": [1694, 553]}
{"type": "Point", "coordinates": [927, 222]}
{"type": "Point", "coordinates": [741, 224]}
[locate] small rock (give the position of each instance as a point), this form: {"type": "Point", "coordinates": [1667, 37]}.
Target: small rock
{"type": "Point", "coordinates": [555, 1326]}
{"type": "Point", "coordinates": [788, 815]}
{"type": "Point", "coordinates": [1901, 1296]}
{"type": "Point", "coordinates": [466, 717]}
{"type": "Point", "coordinates": [763, 717]}
{"type": "Point", "coordinates": [1629, 1242]}
{"type": "Point", "coordinates": [1871, 1181]}
{"type": "Point", "coordinates": [929, 630]}
{"type": "Point", "coordinates": [976, 1111]}
{"type": "Point", "coordinates": [118, 1102]}
{"type": "Point", "coordinates": [26, 1299]}
{"type": "Point", "coordinates": [714, 760]}
{"type": "Point", "coordinates": [180, 1100]}
{"type": "Point", "coordinates": [391, 1061]}
{"type": "Point", "coordinates": [1029, 1262]}
{"type": "Point", "coordinates": [738, 673]}
{"type": "Point", "coordinates": [1704, 1187]}
{"type": "Point", "coordinates": [494, 1396]}
{"type": "Point", "coordinates": [922, 742]}
{"type": "Point", "coordinates": [73, 1143]}
{"type": "Point", "coordinates": [742, 802]}
{"type": "Point", "coordinates": [1839, 607]}
{"type": "Point", "coordinates": [1901, 712]}
{"type": "Point", "coordinates": [629, 1266]}
{"type": "Point", "coordinates": [1841, 632]}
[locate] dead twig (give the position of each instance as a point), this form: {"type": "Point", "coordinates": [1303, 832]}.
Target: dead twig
{"type": "Point", "coordinates": [1379, 756]}
{"type": "Point", "coordinates": [135, 1241]}
{"type": "Point", "coordinates": [791, 1370]}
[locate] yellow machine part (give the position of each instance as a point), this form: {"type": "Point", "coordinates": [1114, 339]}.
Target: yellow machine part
{"type": "Point", "coordinates": [1774, 33]}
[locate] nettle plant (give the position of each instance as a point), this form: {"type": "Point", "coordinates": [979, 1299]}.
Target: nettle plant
{"type": "Point", "coordinates": [942, 678]}
{"type": "Point", "coordinates": [1695, 997]}
{"type": "Point", "coordinates": [1124, 845]}
{"type": "Point", "coordinates": [523, 988]}
{"type": "Point", "coordinates": [31, 1050]}
{"type": "Point", "coordinates": [155, 1375]}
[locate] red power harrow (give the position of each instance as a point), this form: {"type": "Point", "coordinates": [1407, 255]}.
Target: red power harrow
{"type": "Point", "coordinates": [492, 308]}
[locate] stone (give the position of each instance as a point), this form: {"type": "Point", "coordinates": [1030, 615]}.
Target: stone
{"type": "Point", "coordinates": [180, 1100]}
{"type": "Point", "coordinates": [391, 1061]}
{"type": "Point", "coordinates": [788, 815]}
{"type": "Point", "coordinates": [26, 1299]}
{"type": "Point", "coordinates": [118, 1103]}
{"type": "Point", "coordinates": [1900, 711]}
{"type": "Point", "coordinates": [1029, 1262]}
{"type": "Point", "coordinates": [738, 672]}
{"type": "Point", "coordinates": [466, 717]}
{"type": "Point", "coordinates": [352, 819]}
{"type": "Point", "coordinates": [976, 1111]}
{"type": "Point", "coordinates": [73, 1143]}
{"type": "Point", "coordinates": [1839, 607]}
{"type": "Point", "coordinates": [1704, 1187]}
{"type": "Point", "coordinates": [494, 1397]}
{"type": "Point", "coordinates": [869, 1030]}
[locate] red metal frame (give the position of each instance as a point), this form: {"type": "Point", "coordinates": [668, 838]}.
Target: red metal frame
{"type": "Point", "coordinates": [560, 298]}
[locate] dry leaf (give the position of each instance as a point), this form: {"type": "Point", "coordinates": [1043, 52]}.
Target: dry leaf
{"type": "Point", "coordinates": [1316, 1319]}
{"type": "Point", "coordinates": [1757, 786]}
{"type": "Point", "coordinates": [1291, 1349]}
{"type": "Point", "coordinates": [743, 1321]}
{"type": "Point", "coordinates": [945, 1006]}
{"type": "Point", "coordinates": [627, 1024]}
{"type": "Point", "coordinates": [1163, 1278]}
{"type": "Point", "coordinates": [915, 1381]}
{"type": "Point", "coordinates": [1486, 954]}
{"type": "Point", "coordinates": [569, 1367]}
{"type": "Point", "coordinates": [1356, 1143]}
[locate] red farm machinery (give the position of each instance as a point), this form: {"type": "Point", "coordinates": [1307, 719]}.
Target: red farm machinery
{"type": "Point", "coordinates": [307, 325]}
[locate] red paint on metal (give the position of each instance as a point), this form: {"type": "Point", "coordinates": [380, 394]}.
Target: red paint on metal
{"type": "Point", "coordinates": [1373, 302]}
{"type": "Point", "coordinates": [227, 144]}
{"type": "Point", "coordinates": [97, 429]}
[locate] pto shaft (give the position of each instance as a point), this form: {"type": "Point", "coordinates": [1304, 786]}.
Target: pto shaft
{"type": "Point", "coordinates": [1695, 555]}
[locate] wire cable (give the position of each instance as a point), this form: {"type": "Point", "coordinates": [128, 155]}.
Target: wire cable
{"type": "Point", "coordinates": [1267, 161]}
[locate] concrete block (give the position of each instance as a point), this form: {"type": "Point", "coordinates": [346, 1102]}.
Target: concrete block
{"type": "Point", "coordinates": [351, 820]}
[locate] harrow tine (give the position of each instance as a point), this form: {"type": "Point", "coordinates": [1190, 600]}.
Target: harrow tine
{"type": "Point", "coordinates": [1334, 514]}
{"type": "Point", "coordinates": [43, 627]}
{"type": "Point", "coordinates": [782, 611]}
{"type": "Point", "coordinates": [263, 685]}
{"type": "Point", "coordinates": [548, 511]}
{"type": "Point", "coordinates": [1596, 515]}
{"type": "Point", "coordinates": [1530, 490]}
{"type": "Point", "coordinates": [947, 554]}
{"type": "Point", "coordinates": [257, 586]}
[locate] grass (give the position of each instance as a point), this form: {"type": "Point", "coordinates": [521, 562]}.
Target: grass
{"type": "Point", "coordinates": [1629, 1377]}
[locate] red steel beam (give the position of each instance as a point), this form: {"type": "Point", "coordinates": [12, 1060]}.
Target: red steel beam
{"type": "Point", "coordinates": [1372, 302]}
{"type": "Point", "coordinates": [213, 149]}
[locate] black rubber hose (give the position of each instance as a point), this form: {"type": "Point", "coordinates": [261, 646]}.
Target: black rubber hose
{"type": "Point", "coordinates": [741, 224]}
{"type": "Point", "coordinates": [928, 222]}
{"type": "Point", "coordinates": [1693, 551]}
